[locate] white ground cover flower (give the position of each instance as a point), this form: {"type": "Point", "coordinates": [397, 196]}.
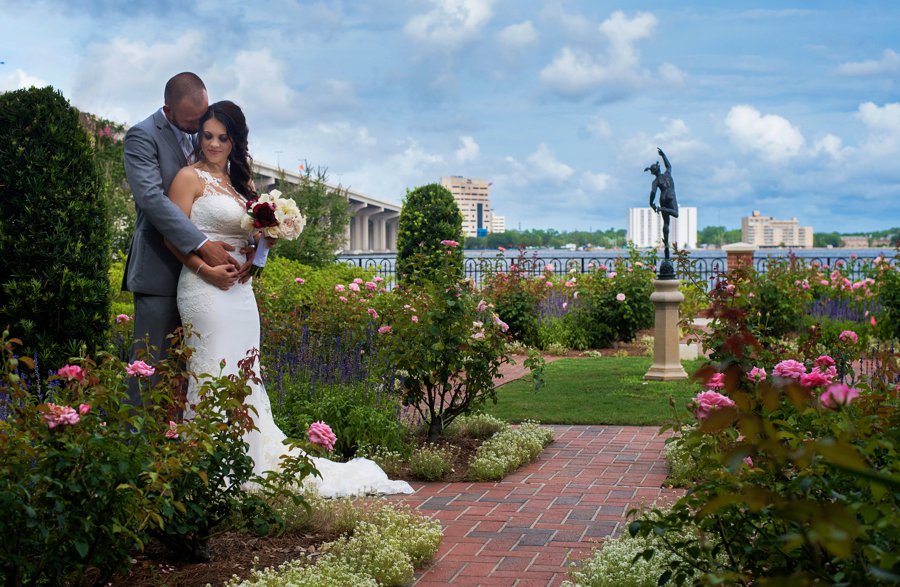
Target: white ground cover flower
{"type": "Point", "coordinates": [508, 450]}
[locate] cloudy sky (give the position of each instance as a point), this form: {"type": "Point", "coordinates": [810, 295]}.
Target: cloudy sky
{"type": "Point", "coordinates": [792, 109]}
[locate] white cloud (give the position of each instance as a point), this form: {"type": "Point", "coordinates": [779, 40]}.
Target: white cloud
{"type": "Point", "coordinates": [259, 85]}
{"type": "Point", "coordinates": [597, 182]}
{"type": "Point", "coordinates": [599, 128]}
{"type": "Point", "coordinates": [889, 64]}
{"type": "Point", "coordinates": [543, 165]}
{"type": "Point", "coordinates": [124, 79]}
{"type": "Point", "coordinates": [18, 80]}
{"type": "Point", "coordinates": [770, 135]}
{"type": "Point", "coordinates": [344, 132]}
{"type": "Point", "coordinates": [516, 37]}
{"type": "Point", "coordinates": [450, 23]}
{"type": "Point", "coordinates": [831, 145]}
{"type": "Point", "coordinates": [576, 72]}
{"type": "Point", "coordinates": [883, 123]}
{"type": "Point", "coordinates": [468, 151]}
{"type": "Point", "coordinates": [671, 74]}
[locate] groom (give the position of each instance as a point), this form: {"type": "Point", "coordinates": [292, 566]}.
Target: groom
{"type": "Point", "coordinates": [155, 150]}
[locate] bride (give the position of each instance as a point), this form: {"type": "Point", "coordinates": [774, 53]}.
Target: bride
{"type": "Point", "coordinates": [222, 308]}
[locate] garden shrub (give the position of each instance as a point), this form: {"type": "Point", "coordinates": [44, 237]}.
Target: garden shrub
{"type": "Point", "coordinates": [85, 479]}
{"type": "Point", "coordinates": [888, 279]}
{"type": "Point", "coordinates": [799, 484]}
{"type": "Point", "coordinates": [428, 218]}
{"type": "Point", "coordinates": [479, 426]}
{"type": "Point", "coordinates": [517, 295]}
{"type": "Point", "coordinates": [360, 413]}
{"type": "Point", "coordinates": [54, 229]}
{"type": "Point", "coordinates": [446, 341]}
{"type": "Point", "coordinates": [431, 462]}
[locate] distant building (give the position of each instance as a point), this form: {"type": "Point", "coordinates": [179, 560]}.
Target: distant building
{"type": "Point", "coordinates": [499, 224]}
{"type": "Point", "coordinates": [765, 231]}
{"type": "Point", "coordinates": [645, 228]}
{"type": "Point", "coordinates": [855, 242]}
{"type": "Point", "coordinates": [471, 196]}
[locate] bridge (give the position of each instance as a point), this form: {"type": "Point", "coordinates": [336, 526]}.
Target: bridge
{"type": "Point", "coordinates": [373, 223]}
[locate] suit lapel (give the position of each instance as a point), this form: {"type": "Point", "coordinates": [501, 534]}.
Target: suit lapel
{"type": "Point", "coordinates": [165, 130]}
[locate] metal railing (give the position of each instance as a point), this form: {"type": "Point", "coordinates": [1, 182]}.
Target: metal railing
{"type": "Point", "coordinates": [704, 266]}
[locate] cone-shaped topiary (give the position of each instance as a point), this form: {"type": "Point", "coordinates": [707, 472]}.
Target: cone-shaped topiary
{"type": "Point", "coordinates": [54, 229]}
{"type": "Point", "coordinates": [429, 217]}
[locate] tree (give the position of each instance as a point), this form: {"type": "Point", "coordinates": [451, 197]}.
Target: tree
{"type": "Point", "coordinates": [327, 212]}
{"type": "Point", "coordinates": [54, 228]}
{"type": "Point", "coordinates": [824, 239]}
{"type": "Point", "coordinates": [429, 216]}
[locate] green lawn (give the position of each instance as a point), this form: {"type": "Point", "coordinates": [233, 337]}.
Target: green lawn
{"type": "Point", "coordinates": [604, 390]}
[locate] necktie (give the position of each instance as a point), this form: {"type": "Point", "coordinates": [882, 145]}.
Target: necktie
{"type": "Point", "coordinates": [187, 145]}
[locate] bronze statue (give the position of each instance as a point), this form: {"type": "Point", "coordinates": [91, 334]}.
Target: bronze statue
{"type": "Point", "coordinates": [668, 207]}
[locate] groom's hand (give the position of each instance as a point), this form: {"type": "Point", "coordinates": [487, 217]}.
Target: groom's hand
{"type": "Point", "coordinates": [244, 272]}
{"type": "Point", "coordinates": [216, 253]}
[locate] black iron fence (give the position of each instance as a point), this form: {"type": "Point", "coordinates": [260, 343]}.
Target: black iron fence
{"type": "Point", "coordinates": [705, 266]}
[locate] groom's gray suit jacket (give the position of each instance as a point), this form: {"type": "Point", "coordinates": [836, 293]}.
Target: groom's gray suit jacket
{"type": "Point", "coordinates": [153, 157]}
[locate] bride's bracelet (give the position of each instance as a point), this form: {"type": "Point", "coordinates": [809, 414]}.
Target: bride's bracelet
{"type": "Point", "coordinates": [201, 266]}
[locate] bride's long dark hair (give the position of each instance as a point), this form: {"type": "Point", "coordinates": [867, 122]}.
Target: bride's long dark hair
{"type": "Point", "coordinates": [232, 117]}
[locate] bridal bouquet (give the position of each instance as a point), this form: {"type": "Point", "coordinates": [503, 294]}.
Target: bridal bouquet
{"type": "Point", "coordinates": [277, 217]}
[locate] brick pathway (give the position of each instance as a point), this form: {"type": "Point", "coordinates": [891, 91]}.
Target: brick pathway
{"type": "Point", "coordinates": [521, 531]}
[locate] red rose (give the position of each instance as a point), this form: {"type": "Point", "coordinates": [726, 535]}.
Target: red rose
{"type": "Point", "coordinates": [264, 215]}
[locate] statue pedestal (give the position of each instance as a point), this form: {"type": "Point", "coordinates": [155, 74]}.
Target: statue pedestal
{"type": "Point", "coordinates": [666, 356]}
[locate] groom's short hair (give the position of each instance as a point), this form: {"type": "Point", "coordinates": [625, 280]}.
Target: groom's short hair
{"type": "Point", "coordinates": [184, 85]}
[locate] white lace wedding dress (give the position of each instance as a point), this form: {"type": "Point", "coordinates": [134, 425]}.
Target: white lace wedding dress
{"type": "Point", "coordinates": [225, 325]}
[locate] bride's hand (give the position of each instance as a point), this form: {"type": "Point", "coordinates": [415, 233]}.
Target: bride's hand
{"type": "Point", "coordinates": [221, 276]}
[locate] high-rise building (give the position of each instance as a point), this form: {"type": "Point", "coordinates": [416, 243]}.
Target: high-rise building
{"type": "Point", "coordinates": [499, 224]}
{"type": "Point", "coordinates": [471, 196]}
{"type": "Point", "coordinates": [645, 228]}
{"type": "Point", "coordinates": [765, 231]}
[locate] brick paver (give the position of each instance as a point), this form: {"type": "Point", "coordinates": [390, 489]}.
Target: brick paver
{"type": "Point", "coordinates": [525, 530]}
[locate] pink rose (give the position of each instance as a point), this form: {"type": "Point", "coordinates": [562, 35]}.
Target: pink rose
{"type": "Point", "coordinates": [299, 280]}
{"type": "Point", "coordinates": [824, 282]}
{"type": "Point", "coordinates": [83, 409]}
{"type": "Point", "coordinates": [320, 434]}
{"type": "Point", "coordinates": [415, 319]}
{"type": "Point", "coordinates": [140, 369]}
{"type": "Point", "coordinates": [449, 243]}
{"type": "Point", "coordinates": [60, 416]}
{"type": "Point", "coordinates": [353, 287]}
{"type": "Point", "coordinates": [172, 432]}
{"type": "Point", "coordinates": [482, 306]}
{"type": "Point", "coordinates": [612, 274]}
{"type": "Point", "coordinates": [717, 381]}
{"type": "Point", "coordinates": [872, 320]}
{"type": "Point", "coordinates": [790, 369]}
{"type": "Point", "coordinates": [373, 313]}
{"type": "Point", "coordinates": [548, 284]}
{"type": "Point", "coordinates": [757, 374]}
{"type": "Point", "coordinates": [503, 325]}
{"type": "Point", "coordinates": [501, 249]}
{"type": "Point", "coordinates": [849, 336]}
{"type": "Point", "coordinates": [620, 297]}
{"type": "Point", "coordinates": [377, 279]}
{"type": "Point", "coordinates": [748, 461]}
{"type": "Point", "coordinates": [478, 335]}
{"type": "Point", "coordinates": [384, 329]}
{"type": "Point", "coordinates": [123, 318]}
{"type": "Point", "coordinates": [708, 401]}
{"type": "Point", "coordinates": [815, 378]}
{"type": "Point", "coordinates": [71, 372]}
{"type": "Point", "coordinates": [339, 287]}
{"type": "Point", "coordinates": [824, 361]}
{"type": "Point", "coordinates": [838, 395]}
{"type": "Point", "coordinates": [565, 305]}
{"type": "Point", "coordinates": [548, 267]}
{"type": "Point", "coordinates": [342, 298]}
{"type": "Point", "coordinates": [371, 286]}
{"type": "Point", "coordinates": [357, 280]}
{"type": "Point", "coordinates": [570, 283]}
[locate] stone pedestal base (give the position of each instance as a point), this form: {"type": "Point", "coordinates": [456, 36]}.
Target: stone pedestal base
{"type": "Point", "coordinates": [666, 356]}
